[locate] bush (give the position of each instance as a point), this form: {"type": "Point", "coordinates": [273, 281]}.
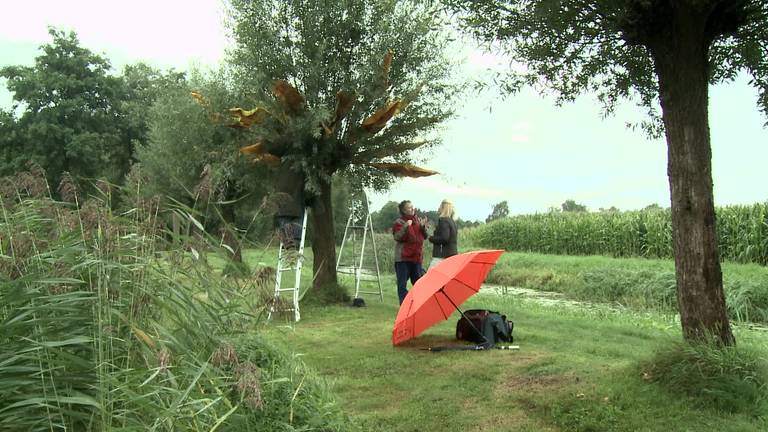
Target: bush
{"type": "Point", "coordinates": [638, 288]}
{"type": "Point", "coordinates": [731, 379]}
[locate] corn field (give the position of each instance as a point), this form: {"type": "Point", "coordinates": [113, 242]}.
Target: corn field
{"type": "Point", "coordinates": [742, 233]}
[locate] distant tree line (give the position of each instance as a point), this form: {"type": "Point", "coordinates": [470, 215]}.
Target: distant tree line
{"type": "Point", "coordinates": [384, 218]}
{"type": "Point", "coordinates": [138, 130]}
{"type": "Point", "coordinates": [72, 114]}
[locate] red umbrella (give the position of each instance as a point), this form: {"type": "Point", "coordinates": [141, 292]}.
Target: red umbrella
{"type": "Point", "coordinates": [438, 293]}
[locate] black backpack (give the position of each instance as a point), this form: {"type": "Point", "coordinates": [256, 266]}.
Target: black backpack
{"type": "Point", "coordinates": [493, 327]}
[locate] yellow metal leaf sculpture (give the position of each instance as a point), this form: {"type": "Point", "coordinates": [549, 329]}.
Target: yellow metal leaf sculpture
{"type": "Point", "coordinates": [200, 99]}
{"type": "Point", "coordinates": [294, 104]}
{"type": "Point", "coordinates": [403, 169]}
{"type": "Point", "coordinates": [246, 119]}
{"type": "Point", "coordinates": [344, 103]}
{"type": "Point", "coordinates": [379, 119]}
{"type": "Point", "coordinates": [289, 96]}
{"type": "Point", "coordinates": [267, 159]}
{"type": "Point", "coordinates": [253, 149]}
{"type": "Point", "coordinates": [214, 117]}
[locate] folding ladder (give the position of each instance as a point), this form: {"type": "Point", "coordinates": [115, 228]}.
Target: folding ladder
{"type": "Point", "coordinates": [289, 260]}
{"type": "Point", "coordinates": [357, 264]}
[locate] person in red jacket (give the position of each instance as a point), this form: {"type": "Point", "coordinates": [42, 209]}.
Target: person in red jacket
{"type": "Point", "coordinates": [410, 232]}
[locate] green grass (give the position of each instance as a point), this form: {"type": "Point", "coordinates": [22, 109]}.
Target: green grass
{"type": "Point", "coordinates": [576, 370]}
{"type": "Point", "coordinates": [638, 283]}
{"type": "Point", "coordinates": [597, 367]}
{"type": "Point", "coordinates": [100, 334]}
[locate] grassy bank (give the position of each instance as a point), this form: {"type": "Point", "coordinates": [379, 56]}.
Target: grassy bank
{"type": "Point", "coordinates": [638, 283]}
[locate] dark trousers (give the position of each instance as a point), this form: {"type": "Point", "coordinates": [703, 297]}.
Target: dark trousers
{"type": "Point", "coordinates": [289, 229]}
{"type": "Point", "coordinates": [407, 270]}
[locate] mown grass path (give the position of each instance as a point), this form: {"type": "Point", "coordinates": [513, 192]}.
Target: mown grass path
{"type": "Point", "coordinates": [578, 368]}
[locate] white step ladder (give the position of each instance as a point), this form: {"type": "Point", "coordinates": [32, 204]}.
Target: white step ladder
{"type": "Point", "coordinates": [356, 265]}
{"type": "Point", "coordinates": [289, 260]}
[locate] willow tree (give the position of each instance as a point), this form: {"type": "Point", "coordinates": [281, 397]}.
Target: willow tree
{"type": "Point", "coordinates": [663, 52]}
{"type": "Point", "coordinates": [338, 88]}
{"type": "Point", "coordinates": [192, 160]}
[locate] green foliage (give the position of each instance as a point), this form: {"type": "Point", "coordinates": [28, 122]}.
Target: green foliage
{"type": "Point", "coordinates": [322, 48]}
{"type": "Point", "coordinates": [500, 211]}
{"type": "Point", "coordinates": [385, 217]}
{"type": "Point", "coordinates": [12, 154]}
{"type": "Point", "coordinates": [461, 223]}
{"type": "Point", "coordinates": [742, 232]}
{"type": "Point", "coordinates": [76, 116]}
{"type": "Point", "coordinates": [101, 335]}
{"type": "Point", "coordinates": [385, 245]}
{"type": "Point", "coordinates": [432, 215]}
{"type": "Point", "coordinates": [731, 379]}
{"type": "Point", "coordinates": [575, 46]}
{"type": "Point", "coordinates": [71, 118]}
{"type": "Point", "coordinates": [572, 206]}
{"type": "Point", "coordinates": [182, 141]}
{"type": "Point", "coordinates": [142, 86]}
{"type": "Point", "coordinates": [194, 161]}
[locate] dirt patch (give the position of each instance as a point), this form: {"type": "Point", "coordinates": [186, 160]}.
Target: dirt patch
{"type": "Point", "coordinates": [517, 382]}
{"type": "Point", "coordinates": [532, 384]}
{"type": "Point", "coordinates": [515, 405]}
{"type": "Point", "coordinates": [514, 420]}
{"type": "Point", "coordinates": [516, 397]}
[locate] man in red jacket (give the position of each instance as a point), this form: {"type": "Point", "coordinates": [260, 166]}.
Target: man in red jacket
{"type": "Point", "coordinates": [409, 232]}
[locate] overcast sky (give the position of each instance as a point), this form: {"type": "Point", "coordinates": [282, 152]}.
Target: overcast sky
{"type": "Point", "coordinates": [522, 149]}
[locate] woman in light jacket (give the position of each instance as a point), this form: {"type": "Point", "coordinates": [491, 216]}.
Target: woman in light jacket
{"type": "Point", "coordinates": [444, 239]}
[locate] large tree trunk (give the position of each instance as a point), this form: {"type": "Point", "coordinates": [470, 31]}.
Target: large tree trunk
{"type": "Point", "coordinates": [323, 241]}
{"type": "Point", "coordinates": [229, 236]}
{"type": "Point", "coordinates": [681, 61]}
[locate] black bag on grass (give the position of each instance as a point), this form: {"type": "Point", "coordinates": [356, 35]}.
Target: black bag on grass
{"type": "Point", "coordinates": [493, 325]}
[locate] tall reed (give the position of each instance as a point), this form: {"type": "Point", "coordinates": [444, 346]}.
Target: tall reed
{"type": "Point", "coordinates": [101, 332]}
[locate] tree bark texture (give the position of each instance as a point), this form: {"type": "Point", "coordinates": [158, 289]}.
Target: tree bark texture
{"type": "Point", "coordinates": [323, 242]}
{"type": "Point", "coordinates": [681, 62]}
{"type": "Point", "coordinates": [229, 236]}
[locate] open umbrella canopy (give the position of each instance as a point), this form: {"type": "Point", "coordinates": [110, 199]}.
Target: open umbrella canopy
{"type": "Point", "coordinates": [438, 293]}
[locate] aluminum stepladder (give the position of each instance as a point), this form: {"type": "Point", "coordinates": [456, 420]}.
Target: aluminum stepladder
{"type": "Point", "coordinates": [290, 260]}
{"type": "Point", "coordinates": [357, 267]}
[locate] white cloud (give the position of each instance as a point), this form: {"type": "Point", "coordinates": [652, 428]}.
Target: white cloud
{"type": "Point", "coordinates": [166, 32]}
{"type": "Point", "coordinates": [438, 185]}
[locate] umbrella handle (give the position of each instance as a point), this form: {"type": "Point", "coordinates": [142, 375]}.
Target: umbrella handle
{"type": "Point", "coordinates": [487, 343]}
